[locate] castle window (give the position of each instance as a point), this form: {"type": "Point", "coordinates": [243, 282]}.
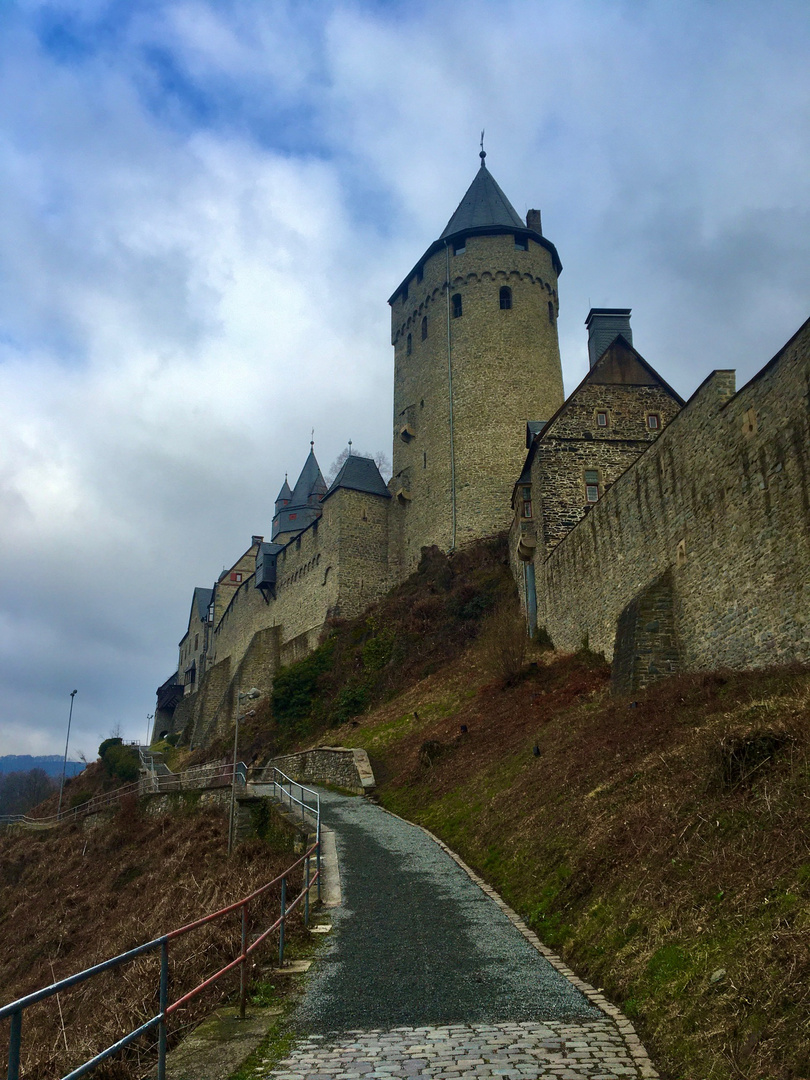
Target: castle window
{"type": "Point", "coordinates": [424, 459]}
{"type": "Point", "coordinates": [592, 485]}
{"type": "Point", "coordinates": [420, 273]}
{"type": "Point", "coordinates": [526, 498]}
{"type": "Point", "coordinates": [601, 419]}
{"type": "Point", "coordinates": [424, 328]}
{"type": "Point", "coordinates": [196, 642]}
{"type": "Point", "coordinates": [505, 298]}
{"type": "Point", "coordinates": [457, 306]}
{"type": "Point", "coordinates": [405, 295]}
{"type": "Point", "coordinates": [550, 312]}
{"type": "Point", "coordinates": [236, 577]}
{"type": "Point", "coordinates": [521, 243]}
{"type": "Point", "coordinates": [653, 421]}
{"type": "Point", "coordinates": [460, 247]}
{"type": "Point", "coordinates": [409, 345]}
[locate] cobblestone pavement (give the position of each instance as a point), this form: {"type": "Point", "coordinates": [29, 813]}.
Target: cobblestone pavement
{"type": "Point", "coordinates": [428, 973]}
{"type": "Point", "coordinates": [505, 1051]}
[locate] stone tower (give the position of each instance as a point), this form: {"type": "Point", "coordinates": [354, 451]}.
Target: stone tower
{"type": "Point", "coordinates": [476, 356]}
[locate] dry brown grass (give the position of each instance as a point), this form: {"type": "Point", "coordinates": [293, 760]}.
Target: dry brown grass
{"type": "Point", "coordinates": [654, 843]}
{"type": "Point", "coordinates": [73, 897]}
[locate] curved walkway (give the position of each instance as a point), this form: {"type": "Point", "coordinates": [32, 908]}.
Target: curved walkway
{"type": "Point", "coordinates": [427, 975]}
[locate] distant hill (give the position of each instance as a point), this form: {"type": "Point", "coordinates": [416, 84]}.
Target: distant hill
{"type": "Point", "coordinates": [49, 763]}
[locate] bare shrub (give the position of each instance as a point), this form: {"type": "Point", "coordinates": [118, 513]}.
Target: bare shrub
{"type": "Point", "coordinates": [504, 641]}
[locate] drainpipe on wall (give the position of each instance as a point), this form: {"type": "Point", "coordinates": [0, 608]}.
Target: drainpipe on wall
{"type": "Point", "coordinates": [450, 396]}
{"type": "Point", "coordinates": [531, 597]}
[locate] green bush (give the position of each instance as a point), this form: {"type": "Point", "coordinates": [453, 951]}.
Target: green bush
{"type": "Point", "coordinates": [121, 761]}
{"type": "Point", "coordinates": [105, 746]}
{"type": "Point", "coordinates": [295, 686]}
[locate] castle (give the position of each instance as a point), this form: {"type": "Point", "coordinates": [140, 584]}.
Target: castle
{"type": "Point", "coordinates": [669, 535]}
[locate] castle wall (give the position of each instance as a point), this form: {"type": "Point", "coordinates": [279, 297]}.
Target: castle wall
{"type": "Point", "coordinates": [721, 500]}
{"type": "Point", "coordinates": [505, 370]}
{"type": "Point", "coordinates": [335, 567]}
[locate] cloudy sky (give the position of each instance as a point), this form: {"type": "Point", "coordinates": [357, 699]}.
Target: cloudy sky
{"type": "Point", "coordinates": [206, 205]}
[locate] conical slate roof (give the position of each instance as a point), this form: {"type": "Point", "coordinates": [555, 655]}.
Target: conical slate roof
{"type": "Point", "coordinates": [285, 494]}
{"type": "Point", "coordinates": [483, 206]}
{"type": "Point", "coordinates": [309, 483]}
{"type": "Point", "coordinates": [360, 474]}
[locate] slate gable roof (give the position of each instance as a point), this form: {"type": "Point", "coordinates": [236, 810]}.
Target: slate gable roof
{"type": "Point", "coordinates": [360, 474]}
{"type": "Point", "coordinates": [201, 601]}
{"type": "Point", "coordinates": [483, 206]}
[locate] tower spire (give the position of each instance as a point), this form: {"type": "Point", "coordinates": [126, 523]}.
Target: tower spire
{"type": "Point", "coordinates": [483, 153]}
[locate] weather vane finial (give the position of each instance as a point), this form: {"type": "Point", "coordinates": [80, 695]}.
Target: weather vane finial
{"type": "Point", "coordinates": [312, 440]}
{"type": "Point", "coordinates": [350, 447]}
{"type": "Point", "coordinates": [483, 153]}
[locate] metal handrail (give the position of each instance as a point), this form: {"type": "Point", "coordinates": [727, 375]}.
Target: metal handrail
{"type": "Point", "coordinates": [14, 1010]}
{"type": "Point", "coordinates": [151, 784]}
{"type": "Point", "coordinates": [283, 787]}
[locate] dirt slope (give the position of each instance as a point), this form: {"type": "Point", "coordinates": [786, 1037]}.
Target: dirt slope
{"type": "Point", "coordinates": [73, 896]}
{"type": "Point", "coordinates": [662, 845]}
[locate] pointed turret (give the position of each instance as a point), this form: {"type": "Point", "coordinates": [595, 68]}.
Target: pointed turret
{"type": "Point", "coordinates": [303, 503]}
{"type": "Point", "coordinates": [483, 207]}
{"type": "Point", "coordinates": [284, 496]}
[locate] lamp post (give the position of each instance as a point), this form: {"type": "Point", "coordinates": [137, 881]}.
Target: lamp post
{"type": "Point", "coordinates": [240, 697]}
{"type": "Point", "coordinates": [149, 718]}
{"type": "Point", "coordinates": [73, 694]}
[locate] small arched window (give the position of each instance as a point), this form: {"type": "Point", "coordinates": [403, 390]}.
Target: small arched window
{"type": "Point", "coordinates": [424, 328]}
{"type": "Point", "coordinates": [550, 312]}
{"type": "Point", "coordinates": [505, 298]}
{"type": "Point", "coordinates": [457, 306]}
{"type": "Point", "coordinates": [408, 345]}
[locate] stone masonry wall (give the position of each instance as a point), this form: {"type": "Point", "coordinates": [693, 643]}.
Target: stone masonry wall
{"type": "Point", "coordinates": [338, 765]}
{"type": "Point", "coordinates": [336, 566]}
{"type": "Point", "coordinates": [505, 370]}
{"type": "Point", "coordinates": [575, 444]}
{"type": "Point", "coordinates": [722, 500]}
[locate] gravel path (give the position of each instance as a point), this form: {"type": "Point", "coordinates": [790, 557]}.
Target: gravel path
{"type": "Point", "coordinates": [424, 977]}
{"type": "Point", "coordinates": [417, 942]}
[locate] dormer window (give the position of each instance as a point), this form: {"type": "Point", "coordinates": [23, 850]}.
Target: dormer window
{"type": "Point", "coordinates": [505, 298]}
{"type": "Point", "coordinates": [526, 502]}
{"type": "Point", "coordinates": [456, 301]}
{"type": "Point", "coordinates": [521, 243]}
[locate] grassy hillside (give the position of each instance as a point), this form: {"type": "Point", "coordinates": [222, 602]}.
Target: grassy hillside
{"type": "Point", "coordinates": [73, 896]}
{"type": "Point", "coordinates": [660, 845]}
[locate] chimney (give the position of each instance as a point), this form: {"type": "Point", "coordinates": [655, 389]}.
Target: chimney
{"type": "Point", "coordinates": [533, 222]}
{"type": "Point", "coordinates": [604, 326]}
{"type": "Point", "coordinates": [254, 540]}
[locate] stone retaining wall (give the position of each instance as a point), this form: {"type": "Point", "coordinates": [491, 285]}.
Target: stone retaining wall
{"type": "Point", "coordinates": [338, 765]}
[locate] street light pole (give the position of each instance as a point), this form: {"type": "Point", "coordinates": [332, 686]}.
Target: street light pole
{"type": "Point", "coordinates": [73, 694]}
{"type": "Point", "coordinates": [240, 697]}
